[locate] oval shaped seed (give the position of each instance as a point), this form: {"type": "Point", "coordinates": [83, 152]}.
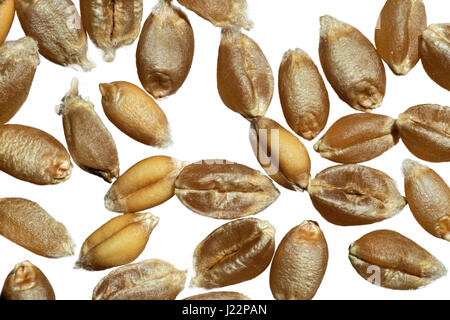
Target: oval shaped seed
{"type": "Point", "coordinates": [111, 24]}
{"type": "Point", "coordinates": [358, 79]}
{"type": "Point", "coordinates": [25, 223]}
{"type": "Point", "coordinates": [6, 18]}
{"type": "Point", "coordinates": [27, 282]}
{"type": "Point", "coordinates": [303, 95]}
{"type": "Point", "coordinates": [424, 130]}
{"type": "Point", "coordinates": [244, 76]}
{"type": "Point", "coordinates": [357, 138]}
{"type": "Point", "coordinates": [224, 190]}
{"type": "Point", "coordinates": [435, 53]}
{"type": "Point", "coordinates": [131, 110]}
{"type": "Point", "coordinates": [282, 155]}
{"type": "Point", "coordinates": [428, 198]}
{"type": "Point", "coordinates": [388, 259]}
{"type": "Point", "coordinates": [60, 35]}
{"type": "Point", "coordinates": [299, 263]}
{"type": "Point", "coordinates": [235, 252]}
{"type": "Point", "coordinates": [119, 241]}
{"type": "Point", "coordinates": [147, 280]}
{"type": "Point", "coordinates": [165, 50]}
{"type": "Point", "coordinates": [18, 62]}
{"type": "Point", "coordinates": [350, 195]}
{"type": "Point", "coordinates": [232, 13]}
{"type": "Point", "coordinates": [397, 35]}
{"type": "Point", "coordinates": [90, 143]}
{"type": "Point", "coordinates": [32, 155]}
{"type": "Point", "coordinates": [218, 295]}
{"type": "Point", "coordinates": [146, 184]}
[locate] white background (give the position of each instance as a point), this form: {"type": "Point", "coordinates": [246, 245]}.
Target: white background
{"type": "Point", "coordinates": [203, 128]}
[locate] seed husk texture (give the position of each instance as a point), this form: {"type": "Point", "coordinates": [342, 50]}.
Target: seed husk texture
{"type": "Point", "coordinates": [435, 53]}
{"type": "Point", "coordinates": [428, 198]}
{"type": "Point", "coordinates": [218, 295]}
{"type": "Point", "coordinates": [351, 64]}
{"type": "Point", "coordinates": [18, 62]}
{"type": "Point", "coordinates": [111, 24]}
{"type": "Point", "coordinates": [32, 155]}
{"type": "Point", "coordinates": [119, 241]}
{"type": "Point", "coordinates": [6, 18]}
{"type": "Point", "coordinates": [398, 33]}
{"type": "Point", "coordinates": [299, 264]}
{"type": "Point", "coordinates": [424, 131]}
{"type": "Point", "coordinates": [56, 26]}
{"type": "Point", "coordinates": [90, 143]}
{"type": "Point", "coordinates": [357, 138]}
{"type": "Point", "coordinates": [25, 223]}
{"type": "Point", "coordinates": [27, 282]}
{"type": "Point", "coordinates": [244, 77]}
{"type": "Point", "coordinates": [147, 280]}
{"type": "Point", "coordinates": [137, 115]}
{"type": "Point", "coordinates": [165, 50]}
{"type": "Point", "coordinates": [224, 190]}
{"type": "Point", "coordinates": [235, 252]}
{"type": "Point", "coordinates": [232, 13]}
{"type": "Point", "coordinates": [390, 260]}
{"type": "Point", "coordinates": [145, 185]}
{"type": "Point", "coordinates": [347, 194]}
{"type": "Point", "coordinates": [303, 95]}
{"type": "Point", "coordinates": [355, 195]}
{"type": "Point", "coordinates": [281, 154]}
